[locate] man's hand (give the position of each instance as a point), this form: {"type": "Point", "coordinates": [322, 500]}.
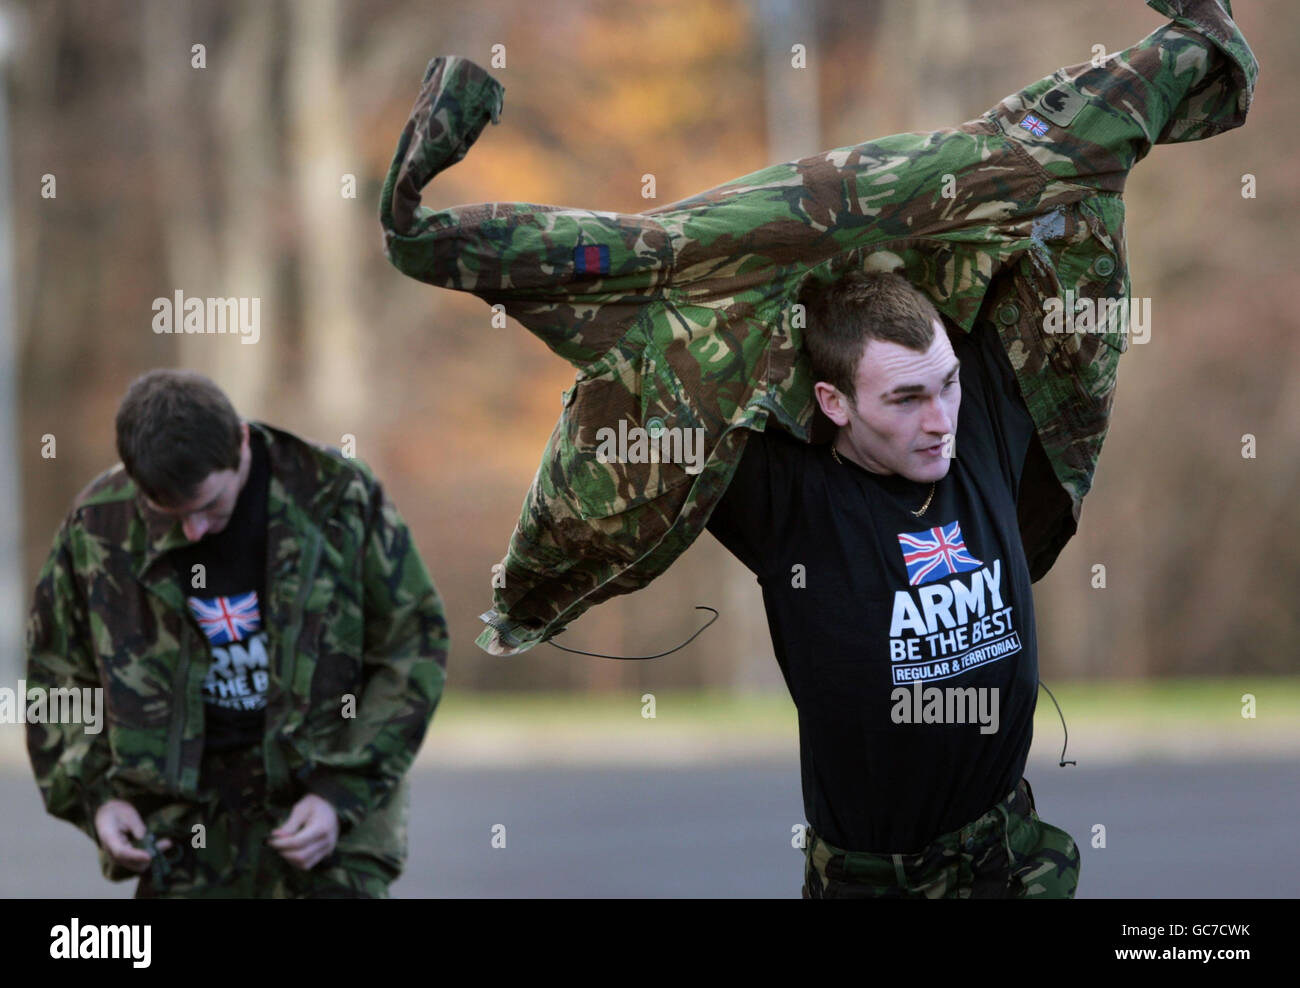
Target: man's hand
{"type": "Point", "coordinates": [309, 834]}
{"type": "Point", "coordinates": [117, 823]}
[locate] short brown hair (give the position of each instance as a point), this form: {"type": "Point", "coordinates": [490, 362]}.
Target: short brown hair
{"type": "Point", "coordinates": [174, 427]}
{"type": "Point", "coordinates": [842, 315]}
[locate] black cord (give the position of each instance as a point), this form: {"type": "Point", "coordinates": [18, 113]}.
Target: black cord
{"type": "Point", "coordinates": [659, 655]}
{"type": "Point", "coordinates": [1067, 733]}
{"type": "Point", "coordinates": [705, 607]}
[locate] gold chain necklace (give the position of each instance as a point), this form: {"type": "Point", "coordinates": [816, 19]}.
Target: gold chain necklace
{"type": "Point", "coordinates": [916, 514]}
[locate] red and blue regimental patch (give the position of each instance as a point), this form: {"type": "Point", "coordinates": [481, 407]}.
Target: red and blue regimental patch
{"type": "Point", "coordinates": [591, 259]}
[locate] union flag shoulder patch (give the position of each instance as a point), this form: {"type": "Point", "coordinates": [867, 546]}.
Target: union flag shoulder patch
{"type": "Point", "coordinates": [1034, 125]}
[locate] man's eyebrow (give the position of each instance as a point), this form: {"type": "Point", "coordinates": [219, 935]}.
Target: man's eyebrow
{"type": "Point", "coordinates": [906, 389]}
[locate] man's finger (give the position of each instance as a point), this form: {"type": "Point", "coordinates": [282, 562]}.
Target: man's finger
{"type": "Point", "coordinates": [296, 842]}
{"type": "Point", "coordinates": [128, 856]}
{"type": "Point", "coordinates": [297, 818]}
{"type": "Point", "coordinates": [318, 857]}
{"type": "Point", "coordinates": [115, 840]}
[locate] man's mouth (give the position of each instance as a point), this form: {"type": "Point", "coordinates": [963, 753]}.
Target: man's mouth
{"type": "Point", "coordinates": [934, 450]}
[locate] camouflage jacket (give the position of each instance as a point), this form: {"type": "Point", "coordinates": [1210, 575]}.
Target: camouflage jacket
{"type": "Point", "coordinates": [684, 316]}
{"type": "Point", "coordinates": [350, 609]}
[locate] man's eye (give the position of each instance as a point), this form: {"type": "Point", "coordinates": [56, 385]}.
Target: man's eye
{"type": "Point", "coordinates": [949, 385]}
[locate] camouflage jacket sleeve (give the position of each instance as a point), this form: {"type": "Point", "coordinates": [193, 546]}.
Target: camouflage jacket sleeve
{"type": "Point", "coordinates": [404, 667]}
{"type": "Point", "coordinates": [70, 762]}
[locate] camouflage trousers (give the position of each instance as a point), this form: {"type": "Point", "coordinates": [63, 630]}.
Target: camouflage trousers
{"type": "Point", "coordinates": [1008, 853]}
{"type": "Point", "coordinates": [230, 823]}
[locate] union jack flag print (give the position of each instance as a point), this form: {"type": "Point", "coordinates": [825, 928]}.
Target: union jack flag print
{"type": "Point", "coordinates": [935, 553]}
{"type": "Point", "coordinates": [1034, 125]}
{"type": "Point", "coordinates": [227, 619]}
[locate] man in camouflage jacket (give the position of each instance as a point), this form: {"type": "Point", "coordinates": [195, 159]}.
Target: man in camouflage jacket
{"type": "Point", "coordinates": [684, 316]}
{"type": "Point", "coordinates": [356, 642]}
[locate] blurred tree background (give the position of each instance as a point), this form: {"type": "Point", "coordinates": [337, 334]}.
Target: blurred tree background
{"type": "Point", "coordinates": [227, 180]}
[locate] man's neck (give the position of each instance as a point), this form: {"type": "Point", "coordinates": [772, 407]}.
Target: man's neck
{"type": "Point", "coordinates": [846, 451]}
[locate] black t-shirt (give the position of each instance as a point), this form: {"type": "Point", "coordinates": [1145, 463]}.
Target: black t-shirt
{"type": "Point", "coordinates": [229, 610]}
{"type": "Point", "coordinates": [866, 639]}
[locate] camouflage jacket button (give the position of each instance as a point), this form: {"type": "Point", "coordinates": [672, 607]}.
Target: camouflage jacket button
{"type": "Point", "coordinates": [1104, 266]}
{"type": "Point", "coordinates": [970, 843]}
{"type": "Point", "coordinates": [654, 425]}
{"type": "Point", "coordinates": [1009, 314]}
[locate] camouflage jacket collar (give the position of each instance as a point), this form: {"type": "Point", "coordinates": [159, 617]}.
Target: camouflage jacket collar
{"type": "Point", "coordinates": [303, 486]}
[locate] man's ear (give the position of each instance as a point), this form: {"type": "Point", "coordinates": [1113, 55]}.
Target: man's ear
{"type": "Point", "coordinates": [833, 404]}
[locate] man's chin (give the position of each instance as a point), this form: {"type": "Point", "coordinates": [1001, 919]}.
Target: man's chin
{"type": "Point", "coordinates": [930, 472]}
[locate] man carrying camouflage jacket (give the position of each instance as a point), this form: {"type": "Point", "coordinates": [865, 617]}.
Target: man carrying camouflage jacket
{"type": "Point", "coordinates": [270, 649]}
{"type": "Point", "coordinates": [898, 598]}
{"type": "Point", "coordinates": [683, 317]}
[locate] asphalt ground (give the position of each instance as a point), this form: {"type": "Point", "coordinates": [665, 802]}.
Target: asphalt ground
{"type": "Point", "coordinates": [1219, 828]}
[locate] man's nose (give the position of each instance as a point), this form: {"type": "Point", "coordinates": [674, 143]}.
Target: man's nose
{"type": "Point", "coordinates": [938, 422]}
